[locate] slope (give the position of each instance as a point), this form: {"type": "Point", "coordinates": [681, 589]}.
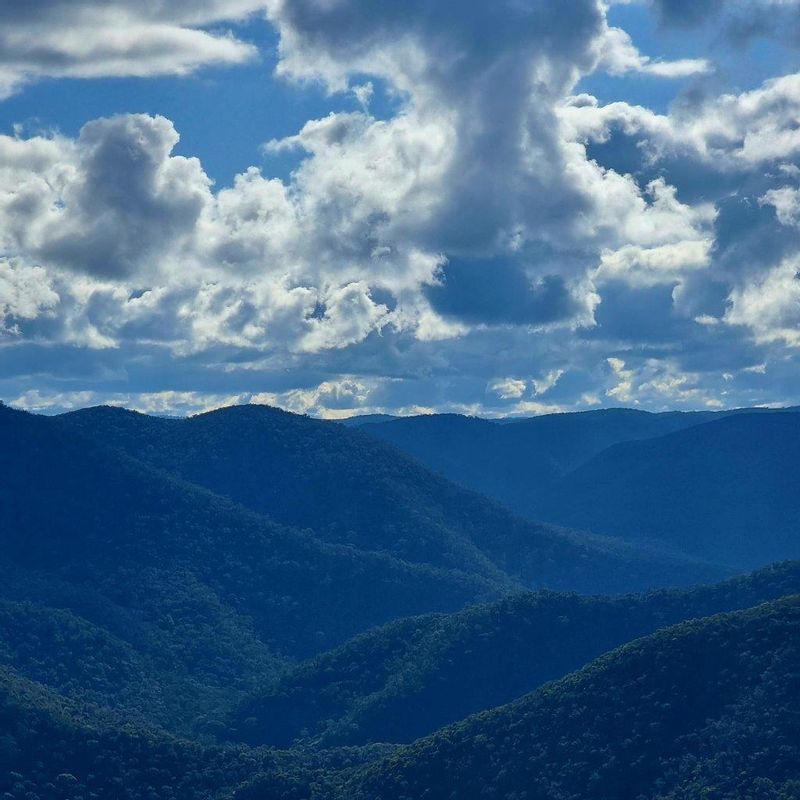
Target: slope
{"type": "Point", "coordinates": [351, 489]}
{"type": "Point", "coordinates": [725, 490]}
{"type": "Point", "coordinates": [709, 708]}
{"type": "Point", "coordinates": [407, 679]}
{"type": "Point", "coordinates": [217, 592]}
{"type": "Point", "coordinates": [61, 749]}
{"type": "Point", "coordinates": [520, 462]}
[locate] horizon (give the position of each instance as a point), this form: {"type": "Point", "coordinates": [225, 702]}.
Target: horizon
{"type": "Point", "coordinates": [410, 414]}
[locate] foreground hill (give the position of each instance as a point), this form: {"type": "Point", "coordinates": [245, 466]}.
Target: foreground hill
{"type": "Point", "coordinates": [407, 679]}
{"type": "Point", "coordinates": [709, 708]}
{"type": "Point", "coordinates": [198, 586]}
{"type": "Point", "coordinates": [725, 490]}
{"type": "Point", "coordinates": [350, 489]}
{"type": "Point", "coordinates": [56, 749]}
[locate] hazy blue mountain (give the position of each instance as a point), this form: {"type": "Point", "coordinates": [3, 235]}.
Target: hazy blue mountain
{"type": "Point", "coordinates": [517, 462]}
{"type": "Point", "coordinates": [350, 489]}
{"type": "Point", "coordinates": [161, 578]}
{"type": "Point", "coordinates": [710, 708]}
{"type": "Point", "coordinates": [366, 419]}
{"type": "Point", "coordinates": [706, 484]}
{"type": "Point", "coordinates": [408, 678]}
{"type": "Point", "coordinates": [726, 489]}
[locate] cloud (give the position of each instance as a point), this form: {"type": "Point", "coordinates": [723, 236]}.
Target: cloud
{"type": "Point", "coordinates": [786, 202]}
{"type": "Point", "coordinates": [129, 204]}
{"type": "Point", "coordinates": [25, 293]}
{"type": "Point", "coordinates": [729, 132]}
{"type": "Point", "coordinates": [488, 242]}
{"type": "Point", "coordinates": [508, 388]}
{"type": "Point", "coordinates": [769, 304]}
{"type": "Point", "coordinates": [619, 56]}
{"type": "Point", "coordinates": [99, 38]}
{"type": "Point", "coordinates": [739, 20]}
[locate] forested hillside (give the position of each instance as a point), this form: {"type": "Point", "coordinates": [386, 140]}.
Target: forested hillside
{"type": "Point", "coordinates": [708, 708]}
{"type": "Point", "coordinates": [713, 485]}
{"type": "Point", "coordinates": [725, 489]}
{"type": "Point", "coordinates": [516, 462]}
{"type": "Point", "coordinates": [253, 605]}
{"type": "Point", "coordinates": [349, 489]}
{"type": "Point", "coordinates": [408, 678]}
{"type": "Point", "coordinates": [206, 589]}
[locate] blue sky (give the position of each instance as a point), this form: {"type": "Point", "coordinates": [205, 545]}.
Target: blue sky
{"type": "Point", "coordinates": [354, 206]}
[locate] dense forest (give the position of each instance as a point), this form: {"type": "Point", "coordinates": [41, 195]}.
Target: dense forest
{"type": "Point", "coordinates": [352, 490]}
{"type": "Point", "coordinates": [709, 708]}
{"type": "Point", "coordinates": [408, 678]}
{"type": "Point", "coordinates": [253, 605]}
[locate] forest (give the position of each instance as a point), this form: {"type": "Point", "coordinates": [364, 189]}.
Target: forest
{"type": "Point", "coordinates": [253, 604]}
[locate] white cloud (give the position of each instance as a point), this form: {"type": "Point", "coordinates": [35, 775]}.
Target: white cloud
{"type": "Point", "coordinates": [786, 202]}
{"type": "Point", "coordinates": [468, 235]}
{"type": "Point", "coordinates": [649, 266]}
{"type": "Point", "coordinates": [508, 388]}
{"type": "Point", "coordinates": [101, 38]}
{"type": "Point", "coordinates": [727, 132]}
{"type": "Point", "coordinates": [619, 55]}
{"type": "Point", "coordinates": [25, 293]}
{"type": "Point", "coordinates": [769, 304]}
{"type": "Point", "coordinates": [547, 382]}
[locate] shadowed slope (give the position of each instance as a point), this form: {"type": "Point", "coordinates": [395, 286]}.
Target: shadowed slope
{"type": "Point", "coordinates": [707, 706]}
{"type": "Point", "coordinates": [348, 488]}
{"type": "Point", "coordinates": [407, 679]}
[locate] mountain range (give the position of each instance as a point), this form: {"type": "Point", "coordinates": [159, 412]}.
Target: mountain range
{"type": "Point", "coordinates": [713, 485]}
{"type": "Point", "coordinates": [251, 604]}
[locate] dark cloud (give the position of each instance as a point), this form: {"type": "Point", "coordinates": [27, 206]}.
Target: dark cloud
{"type": "Point", "coordinates": [132, 202]}
{"type": "Point", "coordinates": [500, 293]}
{"type": "Point", "coordinates": [738, 22]}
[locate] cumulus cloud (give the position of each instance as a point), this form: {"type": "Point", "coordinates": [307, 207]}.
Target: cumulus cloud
{"type": "Point", "coordinates": [619, 55]}
{"type": "Point", "coordinates": [769, 304]}
{"type": "Point", "coordinates": [739, 20]}
{"type": "Point", "coordinates": [729, 132]}
{"type": "Point", "coordinates": [508, 388]}
{"type": "Point", "coordinates": [786, 202]}
{"type": "Point", "coordinates": [100, 38]}
{"type": "Point", "coordinates": [25, 294]}
{"type": "Point", "coordinates": [493, 223]}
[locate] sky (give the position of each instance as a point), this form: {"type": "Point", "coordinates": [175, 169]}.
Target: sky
{"type": "Point", "coordinates": [359, 206]}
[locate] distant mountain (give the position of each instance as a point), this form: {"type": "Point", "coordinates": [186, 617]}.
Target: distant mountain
{"type": "Point", "coordinates": [350, 489]}
{"type": "Point", "coordinates": [709, 708]}
{"type": "Point", "coordinates": [725, 490]}
{"type": "Point", "coordinates": [406, 679]}
{"type": "Point", "coordinates": [180, 581]}
{"type": "Point", "coordinates": [707, 484]}
{"type": "Point", "coordinates": [366, 419]}
{"type": "Point", "coordinates": [516, 463]}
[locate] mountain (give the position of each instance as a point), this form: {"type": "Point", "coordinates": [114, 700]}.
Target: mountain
{"type": "Point", "coordinates": [350, 489]}
{"type": "Point", "coordinates": [515, 463]}
{"type": "Point", "coordinates": [366, 419]}
{"type": "Point", "coordinates": [57, 749]}
{"type": "Point", "coordinates": [726, 489]}
{"type": "Point", "coordinates": [408, 678]}
{"type": "Point", "coordinates": [709, 708]}
{"type": "Point", "coordinates": [191, 584]}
